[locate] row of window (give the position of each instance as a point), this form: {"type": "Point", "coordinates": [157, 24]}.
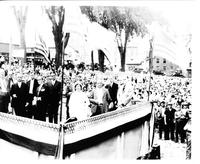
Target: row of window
{"type": "Point", "coordinates": [164, 67]}
{"type": "Point", "coordinates": [158, 60]}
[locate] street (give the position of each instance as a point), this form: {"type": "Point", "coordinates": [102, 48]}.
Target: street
{"type": "Point", "coordinates": [170, 149]}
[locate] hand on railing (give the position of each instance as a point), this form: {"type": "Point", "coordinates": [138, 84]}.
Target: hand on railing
{"type": "Point", "coordinates": [71, 119]}
{"type": "Point", "coordinates": [10, 110]}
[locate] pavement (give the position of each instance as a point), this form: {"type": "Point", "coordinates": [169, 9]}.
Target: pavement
{"type": "Point", "coordinates": [170, 149]}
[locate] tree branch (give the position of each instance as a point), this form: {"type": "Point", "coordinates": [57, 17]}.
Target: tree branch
{"type": "Point", "coordinates": [51, 15]}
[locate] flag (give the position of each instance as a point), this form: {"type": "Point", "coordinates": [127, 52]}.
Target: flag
{"type": "Point", "coordinates": [41, 48]}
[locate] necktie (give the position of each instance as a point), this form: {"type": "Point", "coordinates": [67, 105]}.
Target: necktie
{"type": "Point", "coordinates": [31, 87]}
{"type": "Point", "coordinates": [19, 85]}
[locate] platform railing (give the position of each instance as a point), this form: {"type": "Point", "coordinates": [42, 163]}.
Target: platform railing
{"type": "Point", "coordinates": [42, 137]}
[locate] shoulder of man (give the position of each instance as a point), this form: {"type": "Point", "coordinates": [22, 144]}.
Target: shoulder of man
{"type": "Point", "coordinates": [115, 84]}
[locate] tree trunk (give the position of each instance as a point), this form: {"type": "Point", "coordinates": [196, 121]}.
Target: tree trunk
{"type": "Point", "coordinates": [21, 15]}
{"type": "Point", "coordinates": [92, 60]}
{"type": "Point", "coordinates": [101, 60]}
{"type": "Point", "coordinates": [122, 57]}
{"type": "Point", "coordinates": [23, 43]}
{"type": "Point", "coordinates": [58, 36]}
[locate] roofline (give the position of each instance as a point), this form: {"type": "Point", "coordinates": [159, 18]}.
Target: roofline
{"type": "Point", "coordinates": [9, 43]}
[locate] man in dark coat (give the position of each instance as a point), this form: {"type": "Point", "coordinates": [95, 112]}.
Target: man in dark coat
{"type": "Point", "coordinates": [169, 120]}
{"type": "Point", "coordinates": [19, 94]}
{"type": "Point", "coordinates": [54, 98]}
{"type": "Point", "coordinates": [32, 90]}
{"type": "Point", "coordinates": [100, 99]}
{"type": "Point", "coordinates": [41, 100]}
{"type": "Point", "coordinates": [113, 89]}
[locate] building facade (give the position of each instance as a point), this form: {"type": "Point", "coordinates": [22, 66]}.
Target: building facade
{"type": "Point", "coordinates": [165, 66]}
{"type": "Point", "coordinates": [5, 50]}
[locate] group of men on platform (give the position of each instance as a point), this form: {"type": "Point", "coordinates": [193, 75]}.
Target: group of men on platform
{"type": "Point", "coordinates": [32, 99]}
{"type": "Point", "coordinates": [40, 96]}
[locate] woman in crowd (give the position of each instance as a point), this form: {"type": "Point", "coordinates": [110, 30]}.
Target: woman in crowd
{"type": "Point", "coordinates": [79, 103]}
{"type": "Point", "coordinates": [125, 94]}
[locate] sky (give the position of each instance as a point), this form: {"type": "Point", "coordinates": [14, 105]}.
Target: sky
{"type": "Point", "coordinates": [178, 15]}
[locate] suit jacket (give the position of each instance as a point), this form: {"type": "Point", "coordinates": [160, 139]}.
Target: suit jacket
{"type": "Point", "coordinates": [54, 92]}
{"type": "Point", "coordinates": [113, 91]}
{"type": "Point", "coordinates": [106, 99]}
{"type": "Point", "coordinates": [35, 86]}
{"type": "Point", "coordinates": [21, 95]}
{"type": "Point", "coordinates": [43, 93]}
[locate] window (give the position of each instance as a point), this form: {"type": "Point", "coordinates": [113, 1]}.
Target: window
{"type": "Point", "coordinates": [157, 61]}
{"type": "Point", "coordinates": [164, 60]}
{"type": "Point", "coordinates": [164, 68]}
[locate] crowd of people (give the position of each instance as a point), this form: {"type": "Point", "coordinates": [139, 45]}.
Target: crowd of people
{"type": "Point", "coordinates": [173, 107]}
{"type": "Point", "coordinates": [36, 93]}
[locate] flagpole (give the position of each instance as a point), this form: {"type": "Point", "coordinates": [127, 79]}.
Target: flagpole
{"type": "Point", "coordinates": [10, 50]}
{"type": "Point", "coordinates": [34, 54]}
{"type": "Point", "coordinates": [60, 146]}
{"type": "Point", "coordinates": [150, 65]}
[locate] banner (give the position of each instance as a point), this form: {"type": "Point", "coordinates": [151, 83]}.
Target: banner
{"type": "Point", "coordinates": [123, 134]}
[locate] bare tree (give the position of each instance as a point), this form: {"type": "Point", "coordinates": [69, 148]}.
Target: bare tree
{"type": "Point", "coordinates": [57, 15]}
{"type": "Point", "coordinates": [21, 17]}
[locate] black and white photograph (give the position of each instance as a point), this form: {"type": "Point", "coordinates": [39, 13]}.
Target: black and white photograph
{"type": "Point", "coordinates": [96, 80]}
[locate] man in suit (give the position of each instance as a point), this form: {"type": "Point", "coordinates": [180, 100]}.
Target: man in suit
{"type": "Point", "coordinates": [113, 89]}
{"type": "Point", "coordinates": [19, 95]}
{"type": "Point", "coordinates": [169, 120]}
{"type": "Point", "coordinates": [4, 90]}
{"type": "Point", "coordinates": [41, 100]}
{"type": "Point", "coordinates": [32, 90]}
{"type": "Point", "coordinates": [54, 98]}
{"type": "Point", "coordinates": [101, 98]}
